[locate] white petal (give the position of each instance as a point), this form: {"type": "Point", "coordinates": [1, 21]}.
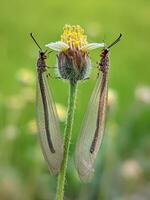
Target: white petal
{"type": "Point", "coordinates": [91, 46]}
{"type": "Point", "coordinates": [58, 46]}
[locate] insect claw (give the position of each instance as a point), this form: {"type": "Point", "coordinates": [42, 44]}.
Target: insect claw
{"type": "Point", "coordinates": [58, 77]}
{"type": "Point", "coordinates": [87, 78]}
{"type": "Point", "coordinates": [98, 73]}
{"type": "Point", "coordinates": [48, 75]}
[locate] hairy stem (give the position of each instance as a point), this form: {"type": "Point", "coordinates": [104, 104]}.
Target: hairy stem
{"type": "Point", "coordinates": [67, 140]}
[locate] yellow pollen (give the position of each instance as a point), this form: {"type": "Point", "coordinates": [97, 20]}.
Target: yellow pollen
{"type": "Point", "coordinates": [74, 36]}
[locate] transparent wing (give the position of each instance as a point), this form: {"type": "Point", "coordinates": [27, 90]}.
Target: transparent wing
{"type": "Point", "coordinates": [92, 131]}
{"type": "Point", "coordinates": [53, 159]}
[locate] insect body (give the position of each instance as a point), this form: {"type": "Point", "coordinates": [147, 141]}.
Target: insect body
{"type": "Point", "coordinates": [47, 119]}
{"type": "Point", "coordinates": [103, 93]}
{"type": "Point", "coordinates": [92, 130]}
{"type": "Point", "coordinates": [41, 68]}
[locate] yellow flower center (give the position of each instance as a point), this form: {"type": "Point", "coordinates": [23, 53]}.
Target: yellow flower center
{"type": "Point", "coordinates": [74, 36]}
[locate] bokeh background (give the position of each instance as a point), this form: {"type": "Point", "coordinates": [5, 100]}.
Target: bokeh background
{"type": "Point", "coordinates": [123, 166]}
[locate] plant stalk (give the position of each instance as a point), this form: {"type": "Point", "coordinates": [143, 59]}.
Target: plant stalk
{"type": "Point", "coordinates": [67, 140]}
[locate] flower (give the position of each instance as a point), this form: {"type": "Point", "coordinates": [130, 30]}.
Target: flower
{"type": "Point", "coordinates": [25, 77]}
{"type": "Point", "coordinates": [142, 94]}
{"type": "Point", "coordinates": [131, 169]}
{"type": "Point", "coordinates": [73, 57]}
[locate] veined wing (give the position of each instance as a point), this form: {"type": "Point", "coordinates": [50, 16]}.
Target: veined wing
{"type": "Point", "coordinates": [92, 130]}
{"type": "Point", "coordinates": [48, 127]}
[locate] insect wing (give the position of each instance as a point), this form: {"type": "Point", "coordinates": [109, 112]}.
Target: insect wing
{"type": "Point", "coordinates": [94, 118]}
{"type": "Point", "coordinates": [53, 159]}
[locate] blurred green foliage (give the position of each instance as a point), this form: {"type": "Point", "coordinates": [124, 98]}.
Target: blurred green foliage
{"type": "Point", "coordinates": [122, 170]}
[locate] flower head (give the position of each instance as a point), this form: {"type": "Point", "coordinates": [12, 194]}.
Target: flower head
{"type": "Point", "coordinates": [73, 57]}
{"type": "Point", "coordinates": [74, 36]}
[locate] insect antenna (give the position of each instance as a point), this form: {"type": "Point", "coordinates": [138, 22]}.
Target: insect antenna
{"type": "Point", "coordinates": [31, 34]}
{"type": "Point", "coordinates": [116, 41]}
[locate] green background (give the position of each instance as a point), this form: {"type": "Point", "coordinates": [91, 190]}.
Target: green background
{"type": "Point", "coordinates": [122, 169]}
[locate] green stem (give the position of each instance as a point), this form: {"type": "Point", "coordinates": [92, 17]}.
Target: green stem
{"type": "Point", "coordinates": [67, 139]}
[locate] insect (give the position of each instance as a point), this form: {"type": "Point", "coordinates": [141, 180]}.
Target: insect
{"type": "Point", "coordinates": [47, 120]}
{"type": "Point", "coordinates": [93, 125]}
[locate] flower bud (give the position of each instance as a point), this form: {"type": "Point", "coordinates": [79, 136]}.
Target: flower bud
{"type": "Point", "coordinates": [74, 65]}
